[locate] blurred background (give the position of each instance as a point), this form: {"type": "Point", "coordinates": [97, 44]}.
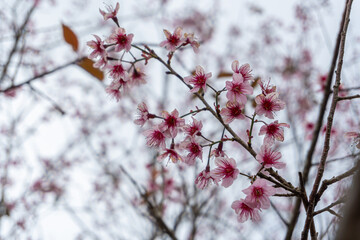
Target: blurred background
{"type": "Point", "coordinates": [73, 165]}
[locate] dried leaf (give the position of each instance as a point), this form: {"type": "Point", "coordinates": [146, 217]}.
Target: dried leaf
{"type": "Point", "coordinates": [87, 65]}
{"type": "Point", "coordinates": [70, 37]}
{"type": "Point", "coordinates": [256, 82]}
{"type": "Point", "coordinates": [224, 74]}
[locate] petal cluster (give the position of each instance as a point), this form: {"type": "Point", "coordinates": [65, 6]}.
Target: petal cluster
{"type": "Point", "coordinates": [199, 79]}
{"type": "Point", "coordinates": [226, 171]}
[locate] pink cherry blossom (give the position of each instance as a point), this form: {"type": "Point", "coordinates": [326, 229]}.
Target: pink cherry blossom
{"type": "Point", "coordinates": [101, 63]}
{"type": "Point", "coordinates": [117, 88]}
{"type": "Point", "coordinates": [259, 193]}
{"type": "Point", "coordinates": [355, 136]}
{"type": "Point", "coordinates": [144, 114]}
{"type": "Point", "coordinates": [121, 39]}
{"type": "Point", "coordinates": [232, 111]}
{"type": "Point", "coordinates": [98, 46]}
{"type": "Point", "coordinates": [198, 80]}
{"type": "Point", "coordinates": [269, 157]}
{"type": "Point", "coordinates": [111, 12]}
{"type": "Point", "coordinates": [204, 178]}
{"type": "Point", "coordinates": [155, 138]}
{"type": "Point", "coordinates": [244, 70]}
{"type": "Point", "coordinates": [172, 123]}
{"type": "Point", "coordinates": [245, 210]}
{"type": "Point", "coordinates": [137, 76]}
{"type": "Point", "coordinates": [116, 70]}
{"type": "Point", "coordinates": [218, 152]}
{"type": "Point", "coordinates": [194, 149]}
{"type": "Point", "coordinates": [190, 39]}
{"type": "Point", "coordinates": [273, 131]}
{"type": "Point", "coordinates": [226, 171]}
{"type": "Point", "coordinates": [171, 154]}
{"type": "Point", "coordinates": [238, 89]}
{"type": "Point", "coordinates": [266, 88]}
{"type": "Point", "coordinates": [173, 40]}
{"type": "Point", "coordinates": [267, 105]}
{"type": "Point", "coordinates": [194, 128]}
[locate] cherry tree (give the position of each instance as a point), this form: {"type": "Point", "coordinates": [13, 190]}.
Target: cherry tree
{"type": "Point", "coordinates": [181, 130]}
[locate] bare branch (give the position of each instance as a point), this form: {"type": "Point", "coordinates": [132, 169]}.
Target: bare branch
{"type": "Point", "coordinates": [41, 75]}
{"type": "Point", "coordinates": [316, 132]}
{"type": "Point", "coordinates": [19, 33]}
{"type": "Point", "coordinates": [326, 148]}
{"type": "Point", "coordinates": [328, 182]}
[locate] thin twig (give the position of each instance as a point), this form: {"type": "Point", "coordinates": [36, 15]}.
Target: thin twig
{"type": "Point", "coordinates": [19, 33]}
{"type": "Point", "coordinates": [279, 214]}
{"type": "Point", "coordinates": [349, 97]}
{"type": "Point", "coordinates": [325, 184]}
{"type": "Point", "coordinates": [41, 75]}
{"type": "Point", "coordinates": [341, 200]}
{"type": "Point", "coordinates": [151, 208]}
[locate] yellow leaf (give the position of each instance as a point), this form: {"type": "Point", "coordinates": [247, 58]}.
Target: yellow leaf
{"type": "Point", "coordinates": [70, 37]}
{"type": "Point", "coordinates": [87, 65]}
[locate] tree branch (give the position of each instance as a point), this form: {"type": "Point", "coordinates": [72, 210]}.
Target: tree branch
{"type": "Point", "coordinates": [330, 118]}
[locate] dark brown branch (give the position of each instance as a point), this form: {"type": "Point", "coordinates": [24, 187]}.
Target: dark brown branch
{"type": "Point", "coordinates": [278, 184]}
{"type": "Point", "coordinates": [326, 148]}
{"type": "Point", "coordinates": [284, 195]}
{"type": "Point", "coordinates": [318, 126]}
{"type": "Point", "coordinates": [349, 97]}
{"type": "Point", "coordinates": [325, 184]}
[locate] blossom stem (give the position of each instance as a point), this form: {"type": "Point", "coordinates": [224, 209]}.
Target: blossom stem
{"type": "Point", "coordinates": [208, 161]}
{"type": "Point", "coordinates": [251, 129]}
{"type": "Point", "coordinates": [193, 112]}
{"type": "Point", "coordinates": [246, 175]}
{"type": "Point", "coordinates": [212, 88]}
{"type": "Point", "coordinates": [212, 142]}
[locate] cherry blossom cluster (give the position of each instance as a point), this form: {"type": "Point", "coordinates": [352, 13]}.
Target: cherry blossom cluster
{"type": "Point", "coordinates": [177, 39]}
{"type": "Point", "coordinates": [257, 198]}
{"type": "Point", "coordinates": [105, 53]}
{"type": "Point", "coordinates": [167, 131]}
{"type": "Point", "coordinates": [178, 139]}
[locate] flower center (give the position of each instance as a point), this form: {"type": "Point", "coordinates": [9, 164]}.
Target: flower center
{"type": "Point", "coordinates": [122, 39]}
{"type": "Point", "coordinates": [200, 80]}
{"type": "Point", "coordinates": [228, 171]}
{"type": "Point", "coordinates": [237, 89]}
{"type": "Point", "coordinates": [271, 129]}
{"type": "Point", "coordinates": [158, 135]}
{"type": "Point", "coordinates": [194, 148]}
{"type": "Point", "coordinates": [258, 192]}
{"type": "Point", "coordinates": [173, 40]}
{"type": "Point", "coordinates": [171, 121]}
{"type": "Point", "coordinates": [235, 111]}
{"type": "Point", "coordinates": [267, 105]}
{"type": "Point", "coordinates": [268, 159]}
